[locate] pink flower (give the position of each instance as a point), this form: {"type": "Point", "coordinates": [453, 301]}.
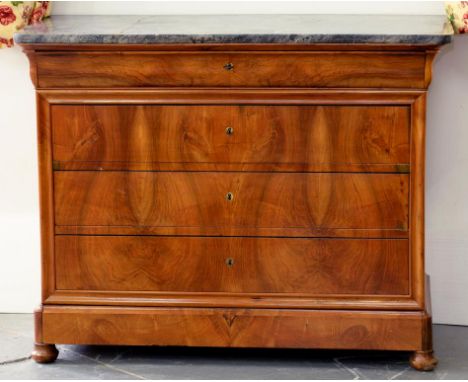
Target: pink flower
{"type": "Point", "coordinates": [37, 15]}
{"type": "Point", "coordinates": [45, 4]}
{"type": "Point", "coordinates": [26, 13]}
{"type": "Point", "coordinates": [7, 42]}
{"type": "Point", "coordinates": [6, 15]}
{"type": "Point", "coordinates": [39, 12]}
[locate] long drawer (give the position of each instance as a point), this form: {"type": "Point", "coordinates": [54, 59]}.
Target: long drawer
{"type": "Point", "coordinates": [342, 69]}
{"type": "Point", "coordinates": [277, 204]}
{"type": "Point", "coordinates": [237, 265]}
{"type": "Point", "coordinates": [230, 137]}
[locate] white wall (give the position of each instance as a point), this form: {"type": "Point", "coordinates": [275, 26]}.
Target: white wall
{"type": "Point", "coordinates": [19, 219]}
{"type": "Point", "coordinates": [246, 6]}
{"type": "Point", "coordinates": [447, 184]}
{"type": "Point", "coordinates": [447, 156]}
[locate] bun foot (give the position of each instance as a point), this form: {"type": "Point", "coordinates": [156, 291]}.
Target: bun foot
{"type": "Point", "coordinates": [423, 360]}
{"type": "Point", "coordinates": [44, 353]}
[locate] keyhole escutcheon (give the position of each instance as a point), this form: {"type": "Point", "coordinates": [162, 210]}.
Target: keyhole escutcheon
{"type": "Point", "coordinates": [229, 66]}
{"type": "Point", "coordinates": [229, 196]}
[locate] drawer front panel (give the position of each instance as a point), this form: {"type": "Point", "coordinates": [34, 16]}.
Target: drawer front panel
{"type": "Point", "coordinates": [289, 138]}
{"type": "Point", "coordinates": [264, 69]}
{"type": "Point", "coordinates": [244, 201]}
{"type": "Point", "coordinates": [235, 328]}
{"type": "Point", "coordinates": [236, 265]}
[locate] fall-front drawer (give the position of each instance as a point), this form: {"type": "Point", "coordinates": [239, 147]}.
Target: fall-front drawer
{"type": "Point", "coordinates": [343, 69]}
{"type": "Point", "coordinates": [231, 137]}
{"type": "Point", "coordinates": [239, 265]}
{"type": "Point", "coordinates": [277, 204]}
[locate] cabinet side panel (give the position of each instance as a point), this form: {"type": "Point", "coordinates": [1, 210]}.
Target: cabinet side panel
{"type": "Point", "coordinates": [46, 196]}
{"type": "Point", "coordinates": [418, 131]}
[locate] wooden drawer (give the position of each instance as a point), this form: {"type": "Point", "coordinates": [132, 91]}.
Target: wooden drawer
{"type": "Point", "coordinates": [236, 328]}
{"type": "Point", "coordinates": [278, 204]}
{"type": "Point", "coordinates": [266, 138]}
{"type": "Point", "coordinates": [342, 69]}
{"type": "Point", "coordinates": [238, 265]}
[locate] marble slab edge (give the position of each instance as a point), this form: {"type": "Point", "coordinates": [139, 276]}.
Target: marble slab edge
{"type": "Point", "coordinates": [25, 38]}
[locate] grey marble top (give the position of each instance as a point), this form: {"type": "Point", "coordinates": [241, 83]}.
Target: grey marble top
{"type": "Point", "coordinates": [255, 29]}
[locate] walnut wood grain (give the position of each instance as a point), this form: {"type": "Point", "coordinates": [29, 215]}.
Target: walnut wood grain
{"type": "Point", "coordinates": [287, 138]}
{"type": "Point", "coordinates": [232, 96]}
{"type": "Point", "coordinates": [44, 353]}
{"type": "Point", "coordinates": [121, 107]}
{"type": "Point", "coordinates": [232, 300]}
{"type": "Point", "coordinates": [279, 202]}
{"type": "Point", "coordinates": [340, 69]}
{"type": "Point", "coordinates": [416, 223]}
{"type": "Point", "coordinates": [335, 329]}
{"type": "Point", "coordinates": [240, 265]}
{"type": "Point", "coordinates": [41, 353]}
{"type": "Point", "coordinates": [423, 360]}
{"type": "Point", "coordinates": [46, 196]}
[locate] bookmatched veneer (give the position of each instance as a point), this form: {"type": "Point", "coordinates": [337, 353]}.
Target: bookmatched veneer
{"type": "Point", "coordinates": [233, 195]}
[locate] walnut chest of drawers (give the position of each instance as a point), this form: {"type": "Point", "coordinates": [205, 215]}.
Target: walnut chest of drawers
{"type": "Point", "coordinates": [233, 195]}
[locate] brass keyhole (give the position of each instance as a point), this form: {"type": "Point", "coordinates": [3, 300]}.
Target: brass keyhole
{"type": "Point", "coordinates": [229, 130]}
{"type": "Point", "coordinates": [229, 262]}
{"type": "Point", "coordinates": [229, 66]}
{"type": "Point", "coordinates": [229, 196]}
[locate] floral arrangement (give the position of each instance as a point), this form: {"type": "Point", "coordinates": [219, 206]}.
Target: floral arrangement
{"type": "Point", "coordinates": [14, 15]}
{"type": "Point", "coordinates": [457, 13]}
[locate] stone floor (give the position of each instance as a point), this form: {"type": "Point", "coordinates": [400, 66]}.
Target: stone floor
{"type": "Point", "coordinates": [100, 362]}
